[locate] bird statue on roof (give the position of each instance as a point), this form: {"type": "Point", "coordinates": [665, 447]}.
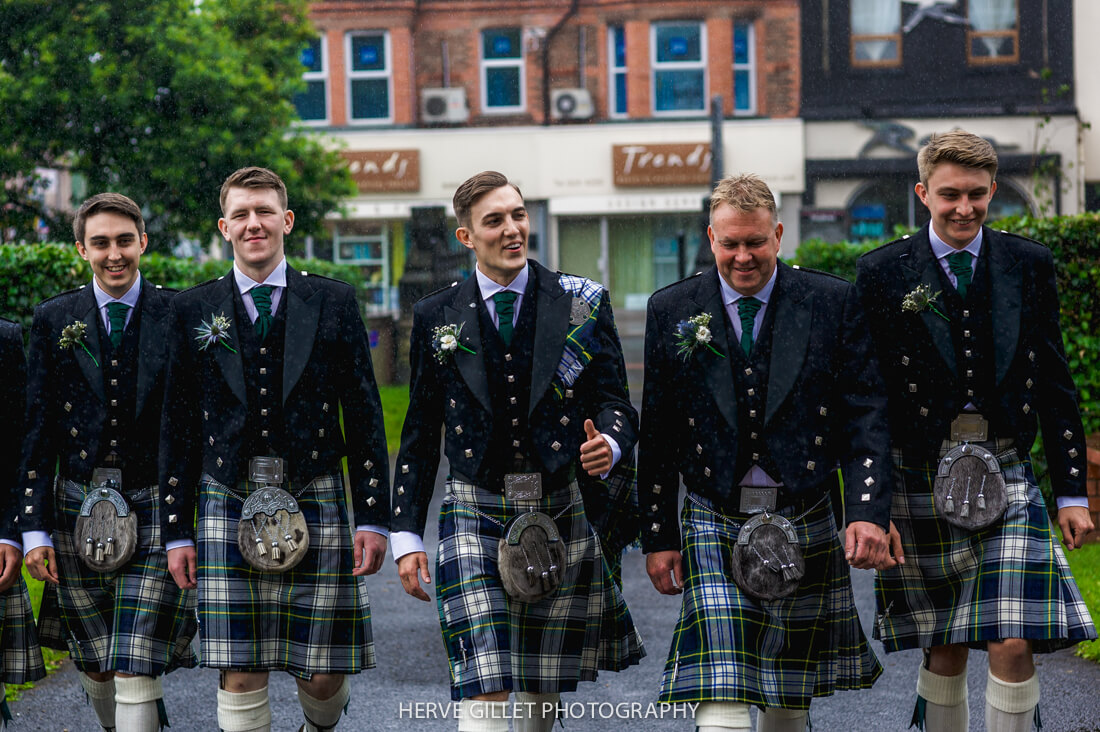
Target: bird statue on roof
{"type": "Point", "coordinates": [935, 10]}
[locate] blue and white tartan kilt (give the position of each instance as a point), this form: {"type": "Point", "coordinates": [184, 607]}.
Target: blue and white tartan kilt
{"type": "Point", "coordinates": [495, 643]}
{"type": "Point", "coordinates": [312, 619]}
{"type": "Point", "coordinates": [730, 647]}
{"type": "Point", "coordinates": [136, 620]}
{"type": "Point", "coordinates": [20, 656]}
{"type": "Point", "coordinates": [1008, 580]}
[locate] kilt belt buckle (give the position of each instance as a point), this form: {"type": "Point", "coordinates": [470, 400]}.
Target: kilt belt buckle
{"type": "Point", "coordinates": [531, 557]}
{"type": "Point", "coordinates": [106, 523]}
{"type": "Point", "coordinates": [271, 519]}
{"type": "Point", "coordinates": [758, 499]}
{"type": "Point", "coordinates": [766, 560]}
{"type": "Point", "coordinates": [969, 490]}
{"type": "Point", "coordinates": [969, 427]}
{"type": "Point", "coordinates": [522, 486]}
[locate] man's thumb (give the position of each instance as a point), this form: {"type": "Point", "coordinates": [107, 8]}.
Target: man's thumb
{"type": "Point", "coordinates": [590, 430]}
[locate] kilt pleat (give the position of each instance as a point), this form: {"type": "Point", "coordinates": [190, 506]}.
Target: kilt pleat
{"type": "Point", "coordinates": [136, 620]}
{"type": "Point", "coordinates": [731, 647]}
{"type": "Point", "coordinates": [19, 651]}
{"type": "Point", "coordinates": [1008, 580]}
{"type": "Point", "coordinates": [314, 618]}
{"type": "Point", "coordinates": [495, 643]}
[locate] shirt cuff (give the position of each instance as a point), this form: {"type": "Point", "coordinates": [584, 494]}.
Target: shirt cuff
{"type": "Point", "coordinates": [616, 453]}
{"type": "Point", "coordinates": [14, 543]}
{"type": "Point", "coordinates": [1064, 501]}
{"type": "Point", "coordinates": [405, 542]}
{"type": "Point", "coordinates": [34, 539]}
{"type": "Point", "coordinates": [178, 544]}
{"type": "Point", "coordinates": [376, 529]}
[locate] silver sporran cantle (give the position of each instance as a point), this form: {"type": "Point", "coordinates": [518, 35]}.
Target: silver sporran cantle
{"type": "Point", "coordinates": [106, 529]}
{"type": "Point", "coordinates": [272, 534]}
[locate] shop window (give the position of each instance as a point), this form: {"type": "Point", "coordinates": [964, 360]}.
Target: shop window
{"type": "Point", "coordinates": [876, 33]}
{"type": "Point", "coordinates": [502, 73]}
{"type": "Point", "coordinates": [312, 104]}
{"type": "Point", "coordinates": [744, 68]}
{"type": "Point", "coordinates": [369, 76]}
{"type": "Point", "coordinates": [366, 244]}
{"type": "Point", "coordinates": [679, 68]}
{"type": "Point", "coordinates": [616, 40]}
{"type": "Point", "coordinates": [994, 36]}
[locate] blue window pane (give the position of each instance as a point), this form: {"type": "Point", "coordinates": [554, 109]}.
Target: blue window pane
{"type": "Point", "coordinates": [679, 90]}
{"type": "Point", "coordinates": [742, 100]}
{"type": "Point", "coordinates": [500, 43]}
{"type": "Point", "coordinates": [368, 53]}
{"type": "Point", "coordinates": [620, 93]}
{"type": "Point", "coordinates": [618, 41]}
{"type": "Point", "coordinates": [502, 87]}
{"type": "Point", "coordinates": [311, 103]}
{"type": "Point", "coordinates": [370, 99]}
{"type": "Point", "coordinates": [679, 43]}
{"type": "Point", "coordinates": [740, 43]}
{"type": "Point", "coordinates": [311, 56]}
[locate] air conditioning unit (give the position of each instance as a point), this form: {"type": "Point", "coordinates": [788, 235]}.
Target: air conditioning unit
{"type": "Point", "coordinates": [570, 104]}
{"type": "Point", "coordinates": [444, 105]}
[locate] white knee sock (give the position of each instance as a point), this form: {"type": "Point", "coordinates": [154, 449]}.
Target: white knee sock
{"type": "Point", "coordinates": [781, 720]}
{"type": "Point", "coordinates": [946, 708]}
{"type": "Point", "coordinates": [247, 711]}
{"type": "Point", "coordinates": [723, 717]}
{"type": "Point", "coordinates": [323, 714]}
{"type": "Point", "coordinates": [1010, 706]}
{"type": "Point", "coordinates": [136, 703]}
{"type": "Point", "coordinates": [101, 695]}
{"type": "Point", "coordinates": [535, 712]}
{"type": "Point", "coordinates": [482, 716]}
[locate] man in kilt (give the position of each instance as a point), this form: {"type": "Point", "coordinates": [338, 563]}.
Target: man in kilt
{"type": "Point", "coordinates": [98, 358]}
{"type": "Point", "coordinates": [522, 369]}
{"type": "Point", "coordinates": [965, 325]}
{"type": "Point", "coordinates": [759, 384]}
{"type": "Point", "coordinates": [20, 656]}
{"type": "Point", "coordinates": [264, 361]}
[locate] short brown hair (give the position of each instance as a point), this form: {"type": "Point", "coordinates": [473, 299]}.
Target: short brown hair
{"type": "Point", "coordinates": [115, 203]}
{"type": "Point", "coordinates": [959, 147]}
{"type": "Point", "coordinates": [470, 192]}
{"type": "Point", "coordinates": [254, 177]}
{"type": "Point", "coordinates": [745, 192]}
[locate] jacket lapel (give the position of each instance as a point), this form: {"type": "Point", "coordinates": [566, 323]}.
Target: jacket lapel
{"type": "Point", "coordinates": [151, 341]}
{"type": "Point", "coordinates": [1006, 276]}
{"type": "Point", "coordinates": [303, 312]}
{"type": "Point", "coordinates": [87, 312]}
{"type": "Point", "coordinates": [463, 314]}
{"type": "Point", "coordinates": [790, 336]}
{"type": "Point", "coordinates": [921, 268]}
{"type": "Point", "coordinates": [551, 327]}
{"type": "Point", "coordinates": [230, 363]}
{"type": "Point", "coordinates": [717, 371]}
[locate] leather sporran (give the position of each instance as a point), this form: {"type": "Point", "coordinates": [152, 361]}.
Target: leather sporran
{"type": "Point", "coordinates": [106, 530]}
{"type": "Point", "coordinates": [766, 560]}
{"type": "Point", "coordinates": [272, 534]}
{"type": "Point", "coordinates": [531, 557]}
{"type": "Point", "coordinates": [969, 491]}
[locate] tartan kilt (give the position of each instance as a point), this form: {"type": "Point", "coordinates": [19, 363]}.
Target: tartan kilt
{"type": "Point", "coordinates": [314, 618]}
{"type": "Point", "coordinates": [136, 620]}
{"type": "Point", "coordinates": [1008, 580]}
{"type": "Point", "coordinates": [21, 656]}
{"type": "Point", "coordinates": [730, 647]}
{"type": "Point", "coordinates": [495, 643]}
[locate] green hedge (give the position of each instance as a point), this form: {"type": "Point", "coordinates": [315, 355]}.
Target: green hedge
{"type": "Point", "coordinates": [34, 272]}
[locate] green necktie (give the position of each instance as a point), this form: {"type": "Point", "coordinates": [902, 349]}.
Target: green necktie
{"type": "Point", "coordinates": [116, 313]}
{"type": "Point", "coordinates": [505, 303]}
{"type": "Point", "coordinates": [747, 308]}
{"type": "Point", "coordinates": [960, 264]}
{"type": "Point", "coordinates": [261, 298]}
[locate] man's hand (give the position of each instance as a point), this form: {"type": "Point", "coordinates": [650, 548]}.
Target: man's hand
{"type": "Point", "coordinates": [1076, 523]}
{"type": "Point", "coordinates": [42, 564]}
{"type": "Point", "coordinates": [896, 555]}
{"type": "Point", "coordinates": [666, 571]}
{"type": "Point", "coordinates": [595, 452]}
{"type": "Point", "coordinates": [865, 545]}
{"type": "Point", "coordinates": [183, 564]}
{"type": "Point", "coordinates": [412, 568]}
{"type": "Point", "coordinates": [10, 561]}
{"type": "Point", "coordinates": [370, 550]}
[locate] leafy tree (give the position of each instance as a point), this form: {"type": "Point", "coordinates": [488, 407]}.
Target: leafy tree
{"type": "Point", "coordinates": [159, 100]}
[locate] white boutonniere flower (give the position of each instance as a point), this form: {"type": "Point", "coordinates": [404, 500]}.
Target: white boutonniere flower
{"type": "Point", "coordinates": [73, 335]}
{"type": "Point", "coordinates": [445, 341]}
{"type": "Point", "coordinates": [921, 299]}
{"type": "Point", "coordinates": [693, 334]}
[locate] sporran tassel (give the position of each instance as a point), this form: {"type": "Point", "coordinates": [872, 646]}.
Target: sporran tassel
{"type": "Point", "coordinates": [949, 505]}
{"type": "Point", "coordinates": [88, 546]}
{"type": "Point", "coordinates": [965, 510]}
{"type": "Point", "coordinates": [260, 548]}
{"type": "Point", "coordinates": [981, 501]}
{"type": "Point", "coordinates": [276, 555]}
{"type": "Point", "coordinates": [790, 573]}
{"type": "Point", "coordinates": [110, 546]}
{"type": "Point", "coordinates": [291, 543]}
{"type": "Point", "coordinates": [99, 552]}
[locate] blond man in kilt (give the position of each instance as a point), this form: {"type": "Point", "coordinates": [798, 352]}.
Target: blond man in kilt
{"type": "Point", "coordinates": [965, 325]}
{"type": "Point", "coordinates": [265, 360]}
{"type": "Point", "coordinates": [759, 384]}
{"type": "Point", "coordinates": [98, 359]}
{"type": "Point", "coordinates": [522, 369]}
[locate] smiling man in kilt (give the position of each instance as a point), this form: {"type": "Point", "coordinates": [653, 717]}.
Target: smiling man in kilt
{"type": "Point", "coordinates": [265, 360]}
{"type": "Point", "coordinates": [522, 370]}
{"type": "Point", "coordinates": [965, 324]}
{"type": "Point", "coordinates": [759, 384]}
{"type": "Point", "coordinates": [97, 365]}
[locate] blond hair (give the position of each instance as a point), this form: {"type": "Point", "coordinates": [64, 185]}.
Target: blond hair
{"type": "Point", "coordinates": [959, 147]}
{"type": "Point", "coordinates": [745, 192]}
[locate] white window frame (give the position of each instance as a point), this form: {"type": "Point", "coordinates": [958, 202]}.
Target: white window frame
{"type": "Point", "coordinates": [321, 76]}
{"type": "Point", "coordinates": [353, 76]}
{"type": "Point", "coordinates": [749, 67]}
{"type": "Point", "coordinates": [498, 63]}
{"type": "Point", "coordinates": [614, 71]}
{"type": "Point", "coordinates": [700, 65]}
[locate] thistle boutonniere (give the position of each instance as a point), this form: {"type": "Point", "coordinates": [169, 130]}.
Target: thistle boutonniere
{"type": "Point", "coordinates": [694, 333]}
{"type": "Point", "coordinates": [921, 299]}
{"type": "Point", "coordinates": [73, 335]}
{"type": "Point", "coordinates": [216, 331]}
{"type": "Point", "coordinates": [445, 341]}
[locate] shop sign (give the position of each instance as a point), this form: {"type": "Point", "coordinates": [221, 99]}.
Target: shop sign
{"type": "Point", "coordinates": [384, 171]}
{"type": "Point", "coordinates": [669, 164]}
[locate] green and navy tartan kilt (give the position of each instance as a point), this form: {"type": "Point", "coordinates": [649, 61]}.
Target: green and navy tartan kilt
{"type": "Point", "coordinates": [312, 619]}
{"type": "Point", "coordinates": [1008, 580]}
{"type": "Point", "coordinates": [136, 620]}
{"type": "Point", "coordinates": [730, 647]}
{"type": "Point", "coordinates": [495, 643]}
{"type": "Point", "coordinates": [21, 656]}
